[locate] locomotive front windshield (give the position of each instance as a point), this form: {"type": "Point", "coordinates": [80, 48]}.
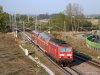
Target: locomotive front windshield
{"type": "Point", "coordinates": [65, 50]}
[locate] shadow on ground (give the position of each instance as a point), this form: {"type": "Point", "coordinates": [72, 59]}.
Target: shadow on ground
{"type": "Point", "coordinates": [78, 60]}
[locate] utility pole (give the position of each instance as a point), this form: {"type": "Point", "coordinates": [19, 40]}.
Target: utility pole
{"type": "Point", "coordinates": [15, 25]}
{"type": "Point", "coordinates": [10, 20]}
{"type": "Point", "coordinates": [36, 23]}
{"type": "Point", "coordinates": [28, 19]}
{"type": "Point", "coordinates": [40, 27]}
{"type": "Point", "coordinates": [23, 27]}
{"type": "Point", "coordinates": [33, 20]}
{"type": "Point", "coordinates": [49, 27]}
{"type": "Point", "coordinates": [12, 23]}
{"type": "Point", "coordinates": [72, 23]}
{"type": "Point", "coordinates": [78, 25]}
{"type": "Point", "coordinates": [64, 27]}
{"type": "Point", "coordinates": [99, 25]}
{"type": "Point", "coordinates": [64, 31]}
{"type": "Point", "coordinates": [23, 32]}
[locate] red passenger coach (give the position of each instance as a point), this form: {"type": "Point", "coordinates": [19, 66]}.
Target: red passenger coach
{"type": "Point", "coordinates": [58, 50]}
{"type": "Point", "coordinates": [35, 35]}
{"type": "Point", "coordinates": [43, 41]}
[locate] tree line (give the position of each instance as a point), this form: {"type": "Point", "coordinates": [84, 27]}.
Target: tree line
{"type": "Point", "coordinates": [72, 19]}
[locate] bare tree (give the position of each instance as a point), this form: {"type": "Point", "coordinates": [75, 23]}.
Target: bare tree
{"type": "Point", "coordinates": [75, 12]}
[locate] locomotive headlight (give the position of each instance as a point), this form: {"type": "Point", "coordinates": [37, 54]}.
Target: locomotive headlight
{"type": "Point", "coordinates": [61, 54]}
{"type": "Point", "coordinates": [69, 54]}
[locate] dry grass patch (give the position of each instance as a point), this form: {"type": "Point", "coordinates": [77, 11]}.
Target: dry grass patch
{"type": "Point", "coordinates": [12, 58]}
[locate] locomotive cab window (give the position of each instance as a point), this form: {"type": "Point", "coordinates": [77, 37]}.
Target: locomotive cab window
{"type": "Point", "coordinates": [65, 50]}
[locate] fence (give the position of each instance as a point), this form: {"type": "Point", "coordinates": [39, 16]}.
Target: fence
{"type": "Point", "coordinates": [91, 44]}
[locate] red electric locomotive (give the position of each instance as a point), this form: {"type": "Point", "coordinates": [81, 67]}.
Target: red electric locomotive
{"type": "Point", "coordinates": [61, 51]}
{"type": "Point", "coordinates": [58, 50]}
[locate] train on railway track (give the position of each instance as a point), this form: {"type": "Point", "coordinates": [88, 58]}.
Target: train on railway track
{"type": "Point", "coordinates": [58, 50]}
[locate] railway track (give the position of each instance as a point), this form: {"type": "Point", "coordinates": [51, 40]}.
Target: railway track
{"type": "Point", "coordinates": [89, 61]}
{"type": "Point", "coordinates": [66, 70]}
{"type": "Point", "coordinates": [86, 66]}
{"type": "Point", "coordinates": [72, 71]}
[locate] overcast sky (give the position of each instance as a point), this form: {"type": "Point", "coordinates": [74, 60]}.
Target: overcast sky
{"type": "Point", "coordinates": [47, 6]}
